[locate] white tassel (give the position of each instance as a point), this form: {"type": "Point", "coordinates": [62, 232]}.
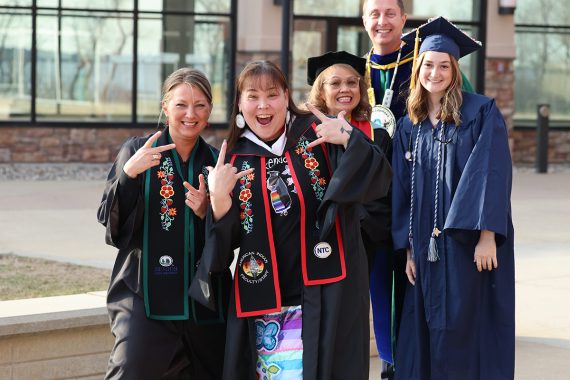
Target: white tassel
{"type": "Point", "coordinates": [432, 252]}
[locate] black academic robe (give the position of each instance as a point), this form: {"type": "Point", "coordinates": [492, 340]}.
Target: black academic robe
{"type": "Point", "coordinates": [336, 334]}
{"type": "Point", "coordinates": [457, 323]}
{"type": "Point", "coordinates": [145, 347]}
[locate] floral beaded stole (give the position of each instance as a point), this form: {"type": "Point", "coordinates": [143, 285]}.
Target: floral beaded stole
{"type": "Point", "coordinates": [256, 277]}
{"type": "Point", "coordinates": [172, 245]}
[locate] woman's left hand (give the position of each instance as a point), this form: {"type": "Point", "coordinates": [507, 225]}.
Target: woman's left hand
{"type": "Point", "coordinates": [197, 199]}
{"type": "Point", "coordinates": [334, 130]}
{"type": "Point", "coordinates": [486, 251]}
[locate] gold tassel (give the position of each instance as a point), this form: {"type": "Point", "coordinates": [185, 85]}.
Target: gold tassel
{"type": "Point", "coordinates": [416, 49]}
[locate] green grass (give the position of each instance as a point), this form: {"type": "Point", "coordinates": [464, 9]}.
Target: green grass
{"type": "Point", "coordinates": [25, 277]}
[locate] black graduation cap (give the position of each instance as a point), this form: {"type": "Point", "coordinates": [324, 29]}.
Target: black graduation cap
{"type": "Point", "coordinates": [315, 65]}
{"type": "Point", "coordinates": [440, 35]}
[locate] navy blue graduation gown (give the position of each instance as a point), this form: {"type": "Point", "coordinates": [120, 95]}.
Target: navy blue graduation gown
{"type": "Point", "coordinates": [457, 323]}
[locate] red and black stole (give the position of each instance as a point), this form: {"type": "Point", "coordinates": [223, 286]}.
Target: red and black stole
{"type": "Point", "coordinates": [173, 236]}
{"type": "Point", "coordinates": [364, 126]}
{"type": "Point", "coordinates": [256, 279]}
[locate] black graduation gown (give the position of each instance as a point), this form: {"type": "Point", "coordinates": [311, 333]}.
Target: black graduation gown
{"type": "Point", "coordinates": [457, 323]}
{"type": "Point", "coordinates": [149, 354]}
{"type": "Point", "coordinates": [336, 336]}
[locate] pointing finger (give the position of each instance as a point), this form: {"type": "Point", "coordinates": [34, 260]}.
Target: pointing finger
{"type": "Point", "coordinates": [316, 142]}
{"type": "Point", "coordinates": [188, 186]}
{"type": "Point", "coordinates": [316, 112]}
{"type": "Point", "coordinates": [162, 148]}
{"type": "Point", "coordinates": [244, 173]}
{"type": "Point", "coordinates": [152, 139]}
{"type": "Point", "coordinates": [202, 181]}
{"type": "Point", "coordinates": [222, 156]}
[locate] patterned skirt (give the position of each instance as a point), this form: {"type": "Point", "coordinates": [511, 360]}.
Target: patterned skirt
{"type": "Point", "coordinates": [279, 344]}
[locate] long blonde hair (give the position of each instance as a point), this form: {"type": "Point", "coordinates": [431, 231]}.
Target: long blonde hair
{"type": "Point", "coordinates": [417, 103]}
{"type": "Point", "coordinates": [317, 94]}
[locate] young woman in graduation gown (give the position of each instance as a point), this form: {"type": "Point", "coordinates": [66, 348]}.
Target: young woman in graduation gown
{"type": "Point", "coordinates": [153, 209]}
{"type": "Point", "coordinates": [452, 212]}
{"type": "Point", "coordinates": [299, 305]}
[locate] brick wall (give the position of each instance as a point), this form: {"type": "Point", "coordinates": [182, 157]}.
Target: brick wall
{"type": "Point", "coordinates": [24, 144]}
{"type": "Point", "coordinates": [525, 146]}
{"type": "Point", "coordinates": [500, 85]}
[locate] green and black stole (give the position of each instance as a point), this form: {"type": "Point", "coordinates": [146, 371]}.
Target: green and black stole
{"type": "Point", "coordinates": [171, 243]}
{"type": "Point", "coordinates": [256, 279]}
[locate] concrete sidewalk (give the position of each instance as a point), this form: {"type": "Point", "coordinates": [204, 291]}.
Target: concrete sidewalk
{"type": "Point", "coordinates": [57, 220]}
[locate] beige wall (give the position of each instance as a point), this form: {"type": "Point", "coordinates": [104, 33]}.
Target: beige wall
{"type": "Point", "coordinates": [500, 33]}
{"type": "Point", "coordinates": [259, 26]}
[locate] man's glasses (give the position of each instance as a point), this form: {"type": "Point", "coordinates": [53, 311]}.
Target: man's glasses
{"type": "Point", "coordinates": [337, 83]}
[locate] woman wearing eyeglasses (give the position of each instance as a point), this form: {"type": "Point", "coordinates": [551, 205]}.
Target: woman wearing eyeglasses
{"type": "Point", "coordinates": [452, 213]}
{"type": "Point", "coordinates": [338, 85]}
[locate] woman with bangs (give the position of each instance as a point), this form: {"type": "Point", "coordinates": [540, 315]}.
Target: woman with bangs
{"type": "Point", "coordinates": [337, 84]}
{"type": "Point", "coordinates": [288, 194]}
{"type": "Point", "coordinates": [452, 214]}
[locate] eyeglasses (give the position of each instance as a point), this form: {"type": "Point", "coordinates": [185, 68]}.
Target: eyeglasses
{"type": "Point", "coordinates": [336, 83]}
{"type": "Point", "coordinates": [444, 141]}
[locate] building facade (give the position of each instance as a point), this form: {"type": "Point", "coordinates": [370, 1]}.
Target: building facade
{"type": "Point", "coordinates": [77, 77]}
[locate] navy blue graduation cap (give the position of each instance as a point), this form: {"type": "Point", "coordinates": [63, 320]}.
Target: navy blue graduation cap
{"type": "Point", "coordinates": [316, 65]}
{"type": "Point", "coordinates": [442, 36]}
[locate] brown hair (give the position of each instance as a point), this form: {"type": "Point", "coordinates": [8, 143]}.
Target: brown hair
{"type": "Point", "coordinates": [254, 72]}
{"type": "Point", "coordinates": [400, 5]}
{"type": "Point", "coordinates": [191, 77]}
{"type": "Point", "coordinates": [417, 103]}
{"type": "Point", "coordinates": [316, 95]}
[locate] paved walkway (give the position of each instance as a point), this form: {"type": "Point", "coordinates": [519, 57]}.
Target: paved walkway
{"type": "Point", "coordinates": [57, 220]}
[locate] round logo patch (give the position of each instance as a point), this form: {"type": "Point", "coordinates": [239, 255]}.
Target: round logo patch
{"type": "Point", "coordinates": [322, 250]}
{"type": "Point", "coordinates": [253, 267]}
{"type": "Point", "coordinates": [165, 261]}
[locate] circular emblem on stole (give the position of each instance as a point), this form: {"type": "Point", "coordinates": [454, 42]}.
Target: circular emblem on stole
{"type": "Point", "coordinates": [254, 265]}
{"type": "Point", "coordinates": [165, 261]}
{"type": "Point", "coordinates": [322, 250]}
{"type": "Point", "coordinates": [382, 117]}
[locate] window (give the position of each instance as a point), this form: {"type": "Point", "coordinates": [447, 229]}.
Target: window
{"type": "Point", "coordinates": [316, 32]}
{"type": "Point", "coordinates": [104, 61]}
{"type": "Point", "coordinates": [543, 52]}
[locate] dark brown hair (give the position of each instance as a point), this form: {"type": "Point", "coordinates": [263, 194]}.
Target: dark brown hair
{"type": "Point", "coordinates": [253, 73]}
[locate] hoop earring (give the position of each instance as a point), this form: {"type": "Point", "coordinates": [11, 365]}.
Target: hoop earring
{"type": "Point", "coordinates": [240, 121]}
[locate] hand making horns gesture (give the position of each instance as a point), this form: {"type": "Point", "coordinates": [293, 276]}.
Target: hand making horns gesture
{"type": "Point", "coordinates": [335, 130]}
{"type": "Point", "coordinates": [221, 181]}
{"type": "Point", "coordinates": [146, 157]}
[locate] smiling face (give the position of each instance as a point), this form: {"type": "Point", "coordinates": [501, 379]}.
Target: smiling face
{"type": "Point", "coordinates": [384, 22]}
{"type": "Point", "coordinates": [188, 110]}
{"type": "Point", "coordinates": [436, 72]}
{"type": "Point", "coordinates": [341, 90]}
{"type": "Point", "coordinates": [264, 106]}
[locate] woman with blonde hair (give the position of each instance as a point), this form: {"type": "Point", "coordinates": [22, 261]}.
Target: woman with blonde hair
{"type": "Point", "coordinates": [153, 209]}
{"type": "Point", "coordinates": [452, 214]}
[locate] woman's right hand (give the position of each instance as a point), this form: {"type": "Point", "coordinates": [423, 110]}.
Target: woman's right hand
{"type": "Point", "coordinates": [146, 157]}
{"type": "Point", "coordinates": [221, 181]}
{"type": "Point", "coordinates": [410, 267]}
